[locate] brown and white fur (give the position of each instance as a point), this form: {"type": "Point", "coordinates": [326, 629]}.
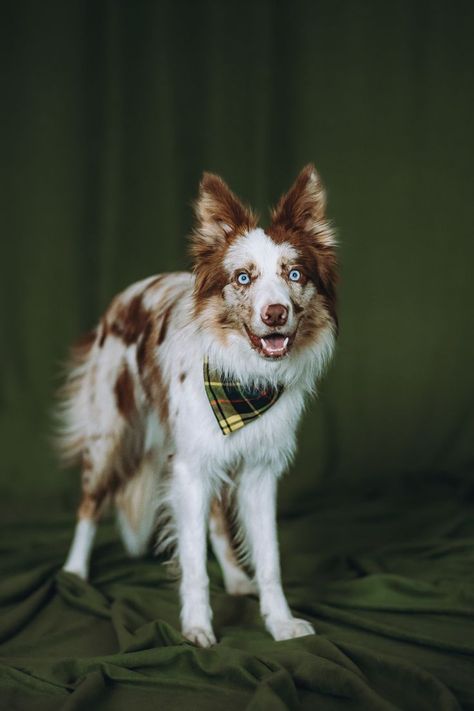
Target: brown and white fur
{"type": "Point", "coordinates": [137, 418]}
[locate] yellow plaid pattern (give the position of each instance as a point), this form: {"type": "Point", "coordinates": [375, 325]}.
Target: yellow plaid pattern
{"type": "Point", "coordinates": [235, 406]}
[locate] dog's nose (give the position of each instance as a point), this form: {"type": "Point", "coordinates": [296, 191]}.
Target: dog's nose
{"type": "Point", "coordinates": [274, 315]}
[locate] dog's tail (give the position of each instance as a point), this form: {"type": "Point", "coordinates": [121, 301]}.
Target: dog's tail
{"type": "Point", "coordinates": [136, 506]}
{"type": "Point", "coordinates": [71, 410]}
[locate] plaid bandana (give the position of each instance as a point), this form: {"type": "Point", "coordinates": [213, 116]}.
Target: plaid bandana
{"type": "Point", "coordinates": [233, 405]}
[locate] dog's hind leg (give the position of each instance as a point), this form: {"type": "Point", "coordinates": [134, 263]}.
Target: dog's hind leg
{"type": "Point", "coordinates": [236, 581]}
{"type": "Point", "coordinates": [136, 506]}
{"type": "Point", "coordinates": [100, 480]}
{"type": "Point", "coordinates": [88, 515]}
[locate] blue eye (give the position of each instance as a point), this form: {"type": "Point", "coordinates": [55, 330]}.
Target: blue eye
{"type": "Point", "coordinates": [243, 278]}
{"type": "Point", "coordinates": [294, 275]}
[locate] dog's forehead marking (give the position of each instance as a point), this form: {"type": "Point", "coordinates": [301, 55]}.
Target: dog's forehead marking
{"type": "Point", "coordinates": [259, 248]}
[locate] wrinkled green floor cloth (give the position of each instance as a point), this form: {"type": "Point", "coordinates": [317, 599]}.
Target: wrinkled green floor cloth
{"type": "Point", "coordinates": [388, 583]}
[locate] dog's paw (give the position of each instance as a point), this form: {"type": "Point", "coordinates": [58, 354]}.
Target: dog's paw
{"type": "Point", "coordinates": [289, 629]}
{"type": "Point", "coordinates": [202, 636]}
{"type": "Point", "coordinates": [240, 584]}
{"type": "Point", "coordinates": [80, 572]}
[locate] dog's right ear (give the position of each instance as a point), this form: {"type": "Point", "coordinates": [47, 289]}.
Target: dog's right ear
{"type": "Point", "coordinates": [220, 217]}
{"type": "Point", "coordinates": [219, 213]}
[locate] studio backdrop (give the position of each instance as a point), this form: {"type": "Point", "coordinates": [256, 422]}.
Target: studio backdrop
{"type": "Point", "coordinates": [110, 112]}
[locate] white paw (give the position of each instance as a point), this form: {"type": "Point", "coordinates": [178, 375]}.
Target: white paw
{"type": "Point", "coordinates": [81, 572]}
{"type": "Point", "coordinates": [240, 584]}
{"type": "Point", "coordinates": [202, 636]}
{"type": "Point", "coordinates": [289, 629]}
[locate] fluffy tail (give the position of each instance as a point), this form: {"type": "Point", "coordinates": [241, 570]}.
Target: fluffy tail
{"type": "Point", "coordinates": [136, 508]}
{"type": "Point", "coordinates": [71, 411]}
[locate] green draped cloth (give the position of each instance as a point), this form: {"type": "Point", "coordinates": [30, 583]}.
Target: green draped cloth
{"type": "Point", "coordinates": [387, 582]}
{"type": "Point", "coordinates": [110, 112]}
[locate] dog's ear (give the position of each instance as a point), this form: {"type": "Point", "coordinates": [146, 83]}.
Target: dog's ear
{"type": "Point", "coordinates": [220, 217]}
{"type": "Point", "coordinates": [219, 213]}
{"type": "Point", "coordinates": [303, 208]}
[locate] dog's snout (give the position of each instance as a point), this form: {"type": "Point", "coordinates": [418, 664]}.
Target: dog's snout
{"type": "Point", "coordinates": [274, 315]}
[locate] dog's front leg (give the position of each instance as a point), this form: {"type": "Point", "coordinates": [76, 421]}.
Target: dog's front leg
{"type": "Point", "coordinates": [190, 503]}
{"type": "Point", "coordinates": [257, 513]}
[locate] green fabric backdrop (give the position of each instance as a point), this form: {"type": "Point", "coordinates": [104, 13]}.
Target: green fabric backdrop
{"type": "Point", "coordinates": [111, 111]}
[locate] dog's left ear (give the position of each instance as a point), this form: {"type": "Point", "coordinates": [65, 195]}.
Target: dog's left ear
{"type": "Point", "coordinates": [303, 208]}
{"type": "Point", "coordinates": [220, 214]}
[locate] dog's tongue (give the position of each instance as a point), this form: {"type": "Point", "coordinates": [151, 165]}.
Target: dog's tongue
{"type": "Point", "coordinates": [274, 344]}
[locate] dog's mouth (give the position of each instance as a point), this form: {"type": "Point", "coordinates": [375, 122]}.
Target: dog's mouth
{"type": "Point", "coordinates": [272, 345]}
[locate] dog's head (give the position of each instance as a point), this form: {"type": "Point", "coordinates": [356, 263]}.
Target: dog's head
{"type": "Point", "coordinates": [272, 292]}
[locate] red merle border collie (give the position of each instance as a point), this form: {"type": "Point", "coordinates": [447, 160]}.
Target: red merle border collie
{"type": "Point", "coordinates": [259, 313]}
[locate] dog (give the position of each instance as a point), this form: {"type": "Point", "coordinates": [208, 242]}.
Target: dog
{"type": "Point", "coordinates": [181, 407]}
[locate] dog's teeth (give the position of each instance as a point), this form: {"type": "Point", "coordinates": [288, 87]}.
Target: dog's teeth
{"type": "Point", "coordinates": [285, 342]}
{"type": "Point", "coordinates": [262, 341]}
